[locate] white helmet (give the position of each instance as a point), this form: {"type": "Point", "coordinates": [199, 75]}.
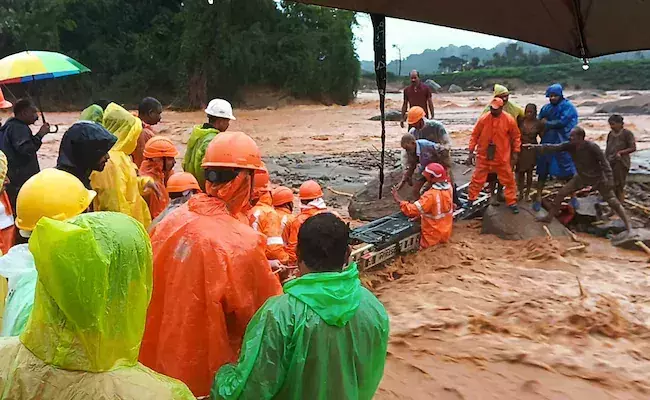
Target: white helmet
{"type": "Point", "coordinates": [220, 108]}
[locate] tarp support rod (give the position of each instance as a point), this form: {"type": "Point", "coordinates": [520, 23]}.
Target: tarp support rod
{"type": "Point", "coordinates": [379, 28]}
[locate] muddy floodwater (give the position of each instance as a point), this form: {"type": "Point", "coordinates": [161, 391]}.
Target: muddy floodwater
{"type": "Point", "coordinates": [479, 317]}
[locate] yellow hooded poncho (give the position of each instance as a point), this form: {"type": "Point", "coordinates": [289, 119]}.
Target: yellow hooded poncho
{"type": "Point", "coordinates": [83, 337]}
{"type": "Point", "coordinates": [510, 107]}
{"type": "Point", "coordinates": [118, 186]}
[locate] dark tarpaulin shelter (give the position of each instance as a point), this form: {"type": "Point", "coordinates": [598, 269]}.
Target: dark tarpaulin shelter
{"type": "Point", "coordinates": [581, 28]}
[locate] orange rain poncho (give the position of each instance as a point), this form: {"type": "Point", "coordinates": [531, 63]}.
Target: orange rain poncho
{"type": "Point", "coordinates": [436, 211]}
{"type": "Point", "coordinates": [84, 332]}
{"type": "Point", "coordinates": [264, 219]}
{"type": "Point", "coordinates": [502, 131]}
{"type": "Point", "coordinates": [286, 219]}
{"type": "Point", "coordinates": [118, 186]}
{"type": "Point", "coordinates": [153, 168]}
{"type": "Point", "coordinates": [210, 277]}
{"type": "Point", "coordinates": [315, 207]}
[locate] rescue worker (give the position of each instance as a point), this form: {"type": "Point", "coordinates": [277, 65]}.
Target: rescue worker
{"type": "Point", "coordinates": [118, 186]}
{"type": "Point", "coordinates": [283, 204]}
{"type": "Point", "coordinates": [593, 170]}
{"type": "Point", "coordinates": [92, 113]}
{"type": "Point", "coordinates": [509, 107]}
{"type": "Point", "coordinates": [84, 333]}
{"type": "Point", "coordinates": [311, 203]}
{"type": "Point", "coordinates": [158, 164]}
{"type": "Point", "coordinates": [325, 338]}
{"type": "Point", "coordinates": [150, 113]}
{"type": "Point", "coordinates": [4, 104]}
{"type": "Point", "coordinates": [84, 149]}
{"type": "Point", "coordinates": [7, 228]}
{"type": "Point", "coordinates": [20, 146]}
{"type": "Point", "coordinates": [435, 208]}
{"type": "Point", "coordinates": [181, 186]}
{"type": "Point", "coordinates": [497, 140]}
{"type": "Point", "coordinates": [210, 271]}
{"type": "Point", "coordinates": [219, 116]}
{"type": "Point", "coordinates": [559, 118]}
{"type": "Point", "coordinates": [37, 199]}
{"type": "Point", "coordinates": [264, 219]}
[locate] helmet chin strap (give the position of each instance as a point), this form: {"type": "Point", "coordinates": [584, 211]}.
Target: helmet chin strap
{"type": "Point", "coordinates": [252, 188]}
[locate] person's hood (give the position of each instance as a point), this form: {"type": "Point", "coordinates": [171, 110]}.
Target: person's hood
{"type": "Point", "coordinates": [82, 146]}
{"type": "Point", "coordinates": [555, 89]}
{"type": "Point", "coordinates": [93, 113]}
{"type": "Point", "coordinates": [318, 204]}
{"type": "Point", "coordinates": [198, 133]}
{"type": "Point", "coordinates": [124, 125]}
{"type": "Point", "coordinates": [154, 169]}
{"type": "Point", "coordinates": [500, 90]}
{"type": "Point", "coordinates": [236, 194]}
{"type": "Point", "coordinates": [334, 296]}
{"type": "Point", "coordinates": [263, 197]}
{"type": "Point", "coordinates": [94, 287]}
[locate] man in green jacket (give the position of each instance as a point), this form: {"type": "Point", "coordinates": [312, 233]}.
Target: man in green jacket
{"type": "Point", "coordinates": [219, 116]}
{"type": "Point", "coordinates": [325, 338]}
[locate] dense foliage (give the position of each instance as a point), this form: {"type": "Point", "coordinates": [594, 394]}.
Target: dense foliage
{"type": "Point", "coordinates": [186, 52]}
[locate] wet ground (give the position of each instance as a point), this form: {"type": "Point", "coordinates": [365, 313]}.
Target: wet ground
{"type": "Point", "coordinates": [478, 318]}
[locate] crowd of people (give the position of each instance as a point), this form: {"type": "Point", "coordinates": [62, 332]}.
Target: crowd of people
{"type": "Point", "coordinates": [506, 153]}
{"type": "Point", "coordinates": [123, 279]}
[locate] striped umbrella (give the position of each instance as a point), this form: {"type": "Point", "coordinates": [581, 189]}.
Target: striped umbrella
{"type": "Point", "coordinates": [30, 66]}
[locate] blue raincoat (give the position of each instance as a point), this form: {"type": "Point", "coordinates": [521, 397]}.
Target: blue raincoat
{"type": "Point", "coordinates": [561, 119]}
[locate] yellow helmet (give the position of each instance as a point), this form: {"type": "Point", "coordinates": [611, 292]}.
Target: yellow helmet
{"type": "Point", "coordinates": [51, 193]}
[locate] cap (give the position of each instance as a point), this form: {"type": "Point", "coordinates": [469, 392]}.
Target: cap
{"type": "Point", "coordinates": [496, 103]}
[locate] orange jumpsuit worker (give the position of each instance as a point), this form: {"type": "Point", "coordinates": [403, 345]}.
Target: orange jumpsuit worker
{"type": "Point", "coordinates": [7, 227]}
{"type": "Point", "coordinates": [159, 153]}
{"type": "Point", "coordinates": [497, 140]}
{"type": "Point", "coordinates": [435, 207]}
{"type": "Point", "coordinates": [283, 204]}
{"type": "Point", "coordinates": [264, 219]}
{"type": "Point", "coordinates": [210, 271]}
{"type": "Point", "coordinates": [312, 203]}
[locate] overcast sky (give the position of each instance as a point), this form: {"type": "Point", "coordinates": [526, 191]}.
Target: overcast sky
{"type": "Point", "coordinates": [415, 37]}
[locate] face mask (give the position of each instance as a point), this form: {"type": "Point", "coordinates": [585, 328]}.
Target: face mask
{"type": "Point", "coordinates": [236, 193]}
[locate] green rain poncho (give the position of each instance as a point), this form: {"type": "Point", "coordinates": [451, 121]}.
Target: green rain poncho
{"type": "Point", "coordinates": [93, 113]}
{"type": "Point", "coordinates": [325, 338]}
{"type": "Point", "coordinates": [83, 337]}
{"type": "Point", "coordinates": [201, 137]}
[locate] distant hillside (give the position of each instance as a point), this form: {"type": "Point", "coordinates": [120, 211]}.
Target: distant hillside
{"type": "Point", "coordinates": [428, 61]}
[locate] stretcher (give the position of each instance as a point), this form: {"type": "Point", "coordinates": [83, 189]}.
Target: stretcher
{"type": "Point", "coordinates": [381, 241]}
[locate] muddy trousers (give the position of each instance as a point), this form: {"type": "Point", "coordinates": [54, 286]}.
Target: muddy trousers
{"type": "Point", "coordinates": [504, 174]}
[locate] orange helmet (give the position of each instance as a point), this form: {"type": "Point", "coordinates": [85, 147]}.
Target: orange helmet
{"type": "Point", "coordinates": [415, 115]}
{"type": "Point", "coordinates": [282, 195]}
{"type": "Point", "coordinates": [261, 179]}
{"type": "Point", "coordinates": [159, 146]}
{"type": "Point", "coordinates": [310, 190]}
{"type": "Point", "coordinates": [182, 181]}
{"type": "Point", "coordinates": [233, 150]}
{"type": "Point", "coordinates": [435, 172]}
{"type": "Point", "coordinates": [4, 103]}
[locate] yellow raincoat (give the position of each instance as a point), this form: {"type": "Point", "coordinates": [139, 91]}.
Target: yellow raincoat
{"type": "Point", "coordinates": [118, 186]}
{"type": "Point", "coordinates": [512, 108]}
{"type": "Point", "coordinates": [83, 337]}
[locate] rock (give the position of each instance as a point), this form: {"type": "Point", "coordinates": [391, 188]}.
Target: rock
{"type": "Point", "coordinates": [366, 206]}
{"type": "Point", "coordinates": [433, 85]}
{"type": "Point", "coordinates": [587, 95]}
{"type": "Point", "coordinates": [455, 89]}
{"type": "Point", "coordinates": [590, 103]}
{"type": "Point", "coordinates": [627, 240]}
{"type": "Point", "coordinates": [630, 94]}
{"type": "Point", "coordinates": [392, 115]}
{"type": "Point", "coordinates": [640, 169]}
{"type": "Point", "coordinates": [634, 105]}
{"type": "Point", "coordinates": [500, 221]}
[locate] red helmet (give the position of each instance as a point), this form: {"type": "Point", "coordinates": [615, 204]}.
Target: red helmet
{"type": "Point", "coordinates": [435, 172]}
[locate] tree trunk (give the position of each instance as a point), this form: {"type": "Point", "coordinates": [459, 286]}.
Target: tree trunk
{"type": "Point", "coordinates": [198, 88]}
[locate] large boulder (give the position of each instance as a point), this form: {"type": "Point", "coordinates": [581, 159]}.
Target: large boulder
{"type": "Point", "coordinates": [435, 88]}
{"type": "Point", "coordinates": [587, 95]}
{"type": "Point", "coordinates": [628, 240]}
{"type": "Point", "coordinates": [366, 206]}
{"type": "Point", "coordinates": [392, 115]}
{"type": "Point", "coordinates": [455, 89]}
{"type": "Point", "coordinates": [500, 221]}
{"type": "Point", "coordinates": [634, 105]}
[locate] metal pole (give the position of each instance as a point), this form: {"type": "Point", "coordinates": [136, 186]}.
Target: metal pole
{"type": "Point", "coordinates": [379, 27]}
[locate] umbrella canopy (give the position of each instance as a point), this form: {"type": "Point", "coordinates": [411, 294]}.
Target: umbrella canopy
{"type": "Point", "coordinates": [36, 65]}
{"type": "Point", "coordinates": [581, 28]}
